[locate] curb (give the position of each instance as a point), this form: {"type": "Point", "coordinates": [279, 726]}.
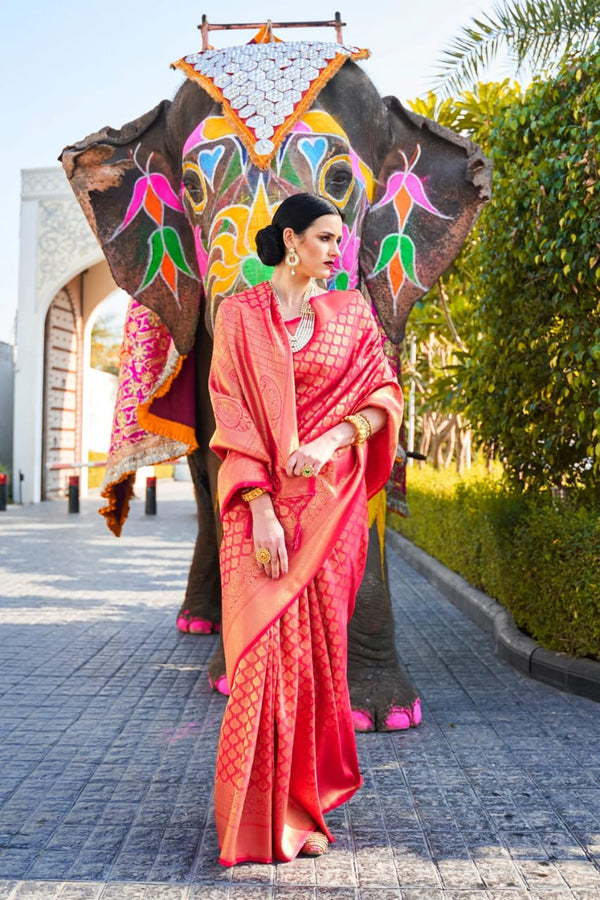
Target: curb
{"type": "Point", "coordinates": [576, 676]}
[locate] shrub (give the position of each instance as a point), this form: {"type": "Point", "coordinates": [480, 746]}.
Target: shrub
{"type": "Point", "coordinates": [531, 379]}
{"type": "Point", "coordinates": [537, 556]}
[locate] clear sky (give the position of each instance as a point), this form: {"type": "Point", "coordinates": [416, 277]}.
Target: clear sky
{"type": "Point", "coordinates": [69, 68]}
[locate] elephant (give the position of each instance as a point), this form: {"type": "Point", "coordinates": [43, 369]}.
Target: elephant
{"type": "Point", "coordinates": [175, 198]}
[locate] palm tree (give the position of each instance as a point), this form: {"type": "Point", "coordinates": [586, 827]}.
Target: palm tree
{"type": "Point", "coordinates": [537, 33]}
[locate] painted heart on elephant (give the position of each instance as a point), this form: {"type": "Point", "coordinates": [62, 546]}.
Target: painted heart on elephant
{"type": "Point", "coordinates": [176, 198]}
{"type": "Point", "coordinates": [228, 199]}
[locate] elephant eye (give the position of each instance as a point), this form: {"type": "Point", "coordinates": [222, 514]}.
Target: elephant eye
{"type": "Point", "coordinates": [337, 180]}
{"type": "Point", "coordinates": [195, 190]}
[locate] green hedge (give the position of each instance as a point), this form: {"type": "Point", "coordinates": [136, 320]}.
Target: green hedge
{"type": "Point", "coordinates": [537, 556]}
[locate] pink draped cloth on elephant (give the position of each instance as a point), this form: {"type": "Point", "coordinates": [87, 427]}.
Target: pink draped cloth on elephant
{"type": "Point", "coordinates": [287, 751]}
{"type": "Point", "coordinates": [154, 414]}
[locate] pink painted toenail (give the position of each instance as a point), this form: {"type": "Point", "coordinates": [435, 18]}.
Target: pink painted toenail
{"type": "Point", "coordinates": [417, 715]}
{"type": "Point", "coordinates": [398, 719]}
{"type": "Point", "coordinates": [200, 626]}
{"type": "Point", "coordinates": [361, 720]}
{"type": "Point", "coordinates": [222, 685]}
{"type": "Point", "coordinates": [182, 624]}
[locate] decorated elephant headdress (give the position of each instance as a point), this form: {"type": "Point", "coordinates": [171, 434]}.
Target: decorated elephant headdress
{"type": "Point", "coordinates": [176, 197]}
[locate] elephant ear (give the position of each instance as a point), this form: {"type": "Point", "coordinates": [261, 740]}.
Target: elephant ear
{"type": "Point", "coordinates": [432, 184]}
{"type": "Point", "coordinates": [128, 183]}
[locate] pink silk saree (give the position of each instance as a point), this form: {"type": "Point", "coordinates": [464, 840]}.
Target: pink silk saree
{"type": "Point", "coordinates": [287, 752]}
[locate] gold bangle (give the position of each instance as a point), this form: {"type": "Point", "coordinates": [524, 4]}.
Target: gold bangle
{"type": "Point", "coordinates": [252, 494]}
{"type": "Point", "coordinates": [362, 425]}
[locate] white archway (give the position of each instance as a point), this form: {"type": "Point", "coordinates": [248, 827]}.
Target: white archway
{"type": "Point", "coordinates": [60, 258]}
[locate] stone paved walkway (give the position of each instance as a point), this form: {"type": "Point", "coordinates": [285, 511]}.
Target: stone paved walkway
{"type": "Point", "coordinates": [108, 732]}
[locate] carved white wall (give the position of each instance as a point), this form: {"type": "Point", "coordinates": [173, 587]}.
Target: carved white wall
{"type": "Point", "coordinates": [56, 245]}
{"type": "Point", "coordinates": [65, 242]}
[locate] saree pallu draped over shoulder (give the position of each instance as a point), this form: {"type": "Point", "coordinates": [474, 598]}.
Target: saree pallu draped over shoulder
{"type": "Point", "coordinates": [287, 751]}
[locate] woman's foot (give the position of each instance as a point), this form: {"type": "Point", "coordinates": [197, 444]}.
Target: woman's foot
{"type": "Point", "coordinates": [316, 844]}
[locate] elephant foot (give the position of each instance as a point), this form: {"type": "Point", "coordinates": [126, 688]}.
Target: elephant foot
{"type": "Point", "coordinates": [398, 719]}
{"type": "Point", "coordinates": [216, 671]}
{"type": "Point", "coordinates": [221, 685]}
{"type": "Point", "coordinates": [188, 623]}
{"type": "Point", "coordinates": [382, 700]}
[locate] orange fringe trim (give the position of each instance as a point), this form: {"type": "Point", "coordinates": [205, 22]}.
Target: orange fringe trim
{"type": "Point", "coordinates": [177, 431]}
{"type": "Point", "coordinates": [115, 523]}
{"type": "Point", "coordinates": [153, 424]}
{"type": "Point", "coordinates": [240, 128]}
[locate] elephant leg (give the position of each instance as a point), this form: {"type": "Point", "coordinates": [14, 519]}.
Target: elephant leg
{"type": "Point", "coordinates": [216, 670]}
{"type": "Point", "coordinates": [200, 611]}
{"type": "Point", "coordinates": [382, 697]}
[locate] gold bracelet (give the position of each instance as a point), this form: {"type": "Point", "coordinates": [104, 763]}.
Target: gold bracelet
{"type": "Point", "coordinates": [363, 427]}
{"type": "Point", "coordinates": [252, 494]}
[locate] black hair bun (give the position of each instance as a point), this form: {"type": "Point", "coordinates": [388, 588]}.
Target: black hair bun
{"type": "Point", "coordinates": [270, 246]}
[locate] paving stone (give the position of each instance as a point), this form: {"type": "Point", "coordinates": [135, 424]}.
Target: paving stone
{"type": "Point", "coordinates": [81, 891]}
{"type": "Point", "coordinates": [381, 895]}
{"type": "Point", "coordinates": [251, 892]}
{"type": "Point", "coordinates": [551, 894]}
{"type": "Point", "coordinates": [7, 888]}
{"type": "Point", "coordinates": [468, 894]}
{"type": "Point", "coordinates": [208, 893]}
{"type": "Point", "coordinates": [301, 873]}
{"type": "Point", "coordinates": [253, 872]}
{"type": "Point", "coordinates": [499, 873]}
{"type": "Point", "coordinates": [165, 892]}
{"type": "Point", "coordinates": [422, 894]}
{"type": "Point", "coordinates": [283, 892]}
{"type": "Point", "coordinates": [92, 864]}
{"type": "Point", "coordinates": [123, 892]}
{"type": "Point", "coordinates": [542, 872]}
{"type": "Point", "coordinates": [337, 894]}
{"type": "Point", "coordinates": [511, 895]}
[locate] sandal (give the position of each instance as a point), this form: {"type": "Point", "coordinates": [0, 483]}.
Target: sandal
{"type": "Point", "coordinates": [316, 844]}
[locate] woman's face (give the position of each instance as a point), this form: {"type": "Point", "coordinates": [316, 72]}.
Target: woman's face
{"type": "Point", "coordinates": [318, 247]}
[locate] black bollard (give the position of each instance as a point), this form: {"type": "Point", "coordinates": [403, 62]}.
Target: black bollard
{"type": "Point", "coordinates": [3, 490]}
{"type": "Point", "coordinates": [151, 496]}
{"type": "Point", "coordinates": [73, 493]}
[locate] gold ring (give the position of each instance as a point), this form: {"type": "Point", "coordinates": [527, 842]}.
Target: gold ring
{"type": "Point", "coordinates": [308, 471]}
{"type": "Point", "coordinates": [263, 556]}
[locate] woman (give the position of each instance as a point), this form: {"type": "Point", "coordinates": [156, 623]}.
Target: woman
{"type": "Point", "coordinates": [307, 415]}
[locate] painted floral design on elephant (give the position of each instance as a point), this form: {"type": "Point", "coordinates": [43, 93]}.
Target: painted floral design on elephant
{"type": "Point", "coordinates": [228, 200]}
{"type": "Point", "coordinates": [151, 194]}
{"type": "Point", "coordinates": [397, 255]}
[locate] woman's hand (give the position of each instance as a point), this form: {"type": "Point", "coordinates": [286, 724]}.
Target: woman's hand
{"type": "Point", "coordinates": [268, 534]}
{"type": "Point", "coordinates": [317, 453]}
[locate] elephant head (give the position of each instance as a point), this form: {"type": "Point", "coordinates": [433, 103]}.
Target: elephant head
{"type": "Point", "coordinates": [176, 196]}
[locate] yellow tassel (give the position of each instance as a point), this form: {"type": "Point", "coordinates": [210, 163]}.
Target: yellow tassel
{"type": "Point", "coordinates": [377, 513]}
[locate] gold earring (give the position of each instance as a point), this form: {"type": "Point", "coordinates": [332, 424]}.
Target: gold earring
{"type": "Point", "coordinates": [292, 259]}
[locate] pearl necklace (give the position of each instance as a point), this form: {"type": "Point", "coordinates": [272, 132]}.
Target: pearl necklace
{"type": "Point", "coordinates": [306, 326]}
